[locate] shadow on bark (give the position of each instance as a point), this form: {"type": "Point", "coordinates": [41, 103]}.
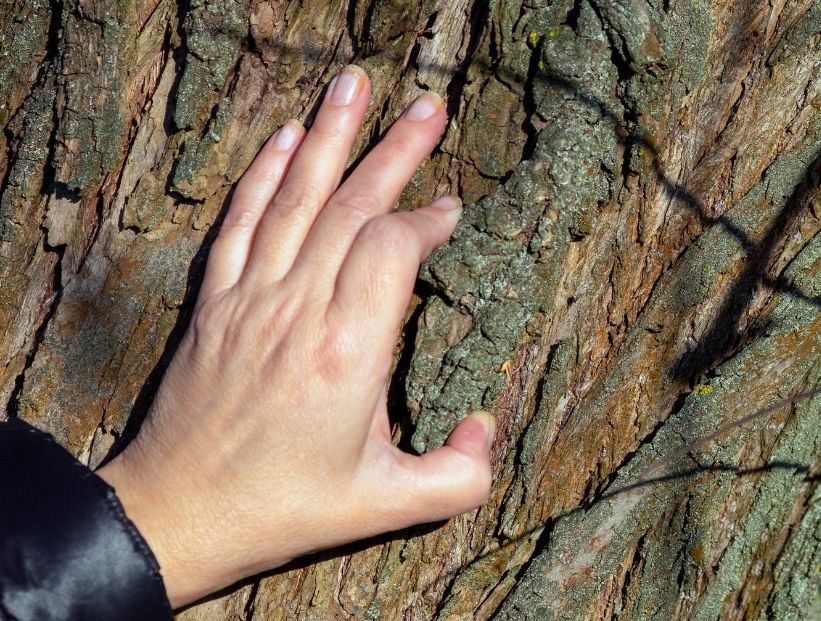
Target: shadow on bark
{"type": "Point", "coordinates": [424, 529]}
{"type": "Point", "coordinates": [319, 557]}
{"type": "Point", "coordinates": [713, 347]}
{"type": "Point", "coordinates": [145, 397]}
{"type": "Point", "coordinates": [681, 195]}
{"type": "Point", "coordinates": [725, 336]}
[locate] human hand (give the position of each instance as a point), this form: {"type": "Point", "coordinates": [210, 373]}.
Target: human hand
{"type": "Point", "coordinates": [269, 435]}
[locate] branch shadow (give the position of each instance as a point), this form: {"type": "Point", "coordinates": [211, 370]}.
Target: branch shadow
{"type": "Point", "coordinates": [308, 560]}
{"type": "Point", "coordinates": [713, 346]}
{"type": "Point", "coordinates": [425, 529]}
{"type": "Point", "coordinates": [725, 336]}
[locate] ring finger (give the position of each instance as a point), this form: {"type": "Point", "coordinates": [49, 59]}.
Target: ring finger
{"type": "Point", "coordinates": [313, 176]}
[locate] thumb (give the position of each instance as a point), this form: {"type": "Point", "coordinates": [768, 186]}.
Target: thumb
{"type": "Point", "coordinates": [447, 481]}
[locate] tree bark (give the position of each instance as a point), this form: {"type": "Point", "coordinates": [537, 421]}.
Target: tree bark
{"type": "Point", "coordinates": [639, 264]}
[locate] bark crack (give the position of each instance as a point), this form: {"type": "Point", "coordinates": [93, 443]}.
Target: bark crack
{"type": "Point", "coordinates": [13, 405]}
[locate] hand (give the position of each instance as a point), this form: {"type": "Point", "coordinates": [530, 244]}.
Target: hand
{"type": "Point", "coordinates": [269, 436]}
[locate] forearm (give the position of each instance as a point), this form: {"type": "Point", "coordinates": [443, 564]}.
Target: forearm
{"type": "Point", "coordinates": [68, 551]}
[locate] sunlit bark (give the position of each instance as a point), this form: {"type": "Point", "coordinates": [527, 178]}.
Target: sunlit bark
{"type": "Point", "coordinates": [639, 263]}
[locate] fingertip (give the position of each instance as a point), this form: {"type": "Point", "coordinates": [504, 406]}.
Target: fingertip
{"type": "Point", "coordinates": [445, 482]}
{"type": "Point", "coordinates": [474, 435]}
{"type": "Point", "coordinates": [450, 205]}
{"type": "Point", "coordinates": [473, 439]}
{"type": "Point", "coordinates": [288, 136]}
{"type": "Point", "coordinates": [448, 202]}
{"type": "Point", "coordinates": [360, 73]}
{"type": "Point", "coordinates": [487, 420]}
{"type": "Point", "coordinates": [425, 107]}
{"type": "Point", "coordinates": [348, 85]}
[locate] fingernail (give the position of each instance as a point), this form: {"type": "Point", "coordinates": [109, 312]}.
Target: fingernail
{"type": "Point", "coordinates": [424, 107]}
{"type": "Point", "coordinates": [449, 203]}
{"type": "Point", "coordinates": [488, 422]}
{"type": "Point", "coordinates": [286, 137]}
{"type": "Point", "coordinates": [345, 85]}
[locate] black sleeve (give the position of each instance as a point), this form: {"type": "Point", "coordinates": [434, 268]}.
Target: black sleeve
{"type": "Point", "coordinates": [67, 550]}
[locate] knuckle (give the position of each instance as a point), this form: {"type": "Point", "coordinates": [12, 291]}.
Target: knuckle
{"type": "Point", "coordinates": [207, 323]}
{"type": "Point", "coordinates": [336, 353]}
{"type": "Point", "coordinates": [291, 201]}
{"type": "Point", "coordinates": [238, 220]}
{"type": "Point", "coordinates": [331, 134]}
{"type": "Point", "coordinates": [281, 316]}
{"type": "Point", "coordinates": [426, 220]}
{"type": "Point", "coordinates": [358, 206]}
{"type": "Point", "coordinates": [402, 141]}
{"type": "Point", "coordinates": [388, 236]}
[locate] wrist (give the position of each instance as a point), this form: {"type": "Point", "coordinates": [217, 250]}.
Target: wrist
{"type": "Point", "coordinates": [144, 506]}
{"type": "Point", "coordinates": [60, 525]}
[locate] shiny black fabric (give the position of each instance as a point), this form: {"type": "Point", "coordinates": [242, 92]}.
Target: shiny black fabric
{"type": "Point", "coordinates": [67, 550]}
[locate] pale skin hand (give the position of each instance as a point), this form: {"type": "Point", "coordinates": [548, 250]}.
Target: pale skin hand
{"type": "Point", "coordinates": [269, 436]}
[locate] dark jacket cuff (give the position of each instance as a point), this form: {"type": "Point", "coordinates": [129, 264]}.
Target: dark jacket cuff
{"type": "Point", "coordinates": [67, 550]}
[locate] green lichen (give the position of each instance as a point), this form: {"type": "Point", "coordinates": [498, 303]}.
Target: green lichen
{"type": "Point", "coordinates": [503, 263]}
{"type": "Point", "coordinates": [196, 154]}
{"type": "Point", "coordinates": [26, 402]}
{"type": "Point", "coordinates": [797, 444]}
{"type": "Point", "coordinates": [798, 571]}
{"type": "Point", "coordinates": [191, 102]}
{"type": "Point", "coordinates": [215, 30]}
{"type": "Point", "coordinates": [673, 543]}
{"type": "Point", "coordinates": [787, 172]}
{"type": "Point", "coordinates": [689, 32]}
{"type": "Point", "coordinates": [676, 547]}
{"type": "Point", "coordinates": [497, 282]}
{"type": "Point", "coordinates": [26, 175]}
{"type": "Point", "coordinates": [576, 94]}
{"type": "Point", "coordinates": [797, 40]}
{"type": "Point", "coordinates": [683, 546]}
{"type": "Point", "coordinates": [23, 35]}
{"type": "Point", "coordinates": [93, 122]}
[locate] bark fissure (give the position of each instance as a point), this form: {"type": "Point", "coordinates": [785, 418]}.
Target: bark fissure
{"type": "Point", "coordinates": [13, 406]}
{"type": "Point", "coordinates": [637, 267]}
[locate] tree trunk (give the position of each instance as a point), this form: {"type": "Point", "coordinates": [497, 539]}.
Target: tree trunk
{"type": "Point", "coordinates": [639, 264]}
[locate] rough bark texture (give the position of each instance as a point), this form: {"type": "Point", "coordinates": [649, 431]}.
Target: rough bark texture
{"type": "Point", "coordinates": [639, 263]}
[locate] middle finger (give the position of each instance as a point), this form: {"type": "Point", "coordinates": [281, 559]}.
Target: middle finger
{"type": "Point", "coordinates": [371, 190]}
